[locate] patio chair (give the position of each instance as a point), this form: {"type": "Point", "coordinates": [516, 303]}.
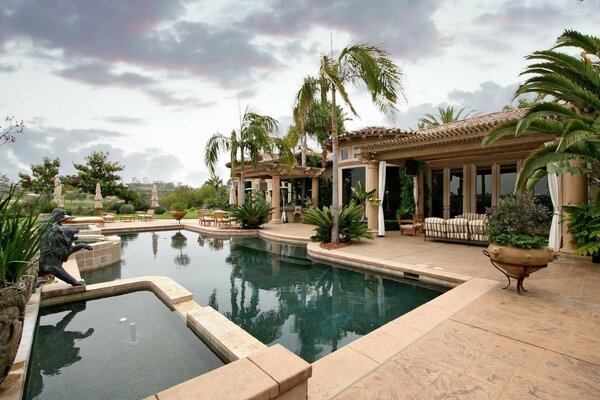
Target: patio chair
{"type": "Point", "coordinates": [205, 218]}
{"type": "Point", "coordinates": [221, 218]}
{"type": "Point", "coordinates": [297, 213]}
{"type": "Point", "coordinates": [412, 225]}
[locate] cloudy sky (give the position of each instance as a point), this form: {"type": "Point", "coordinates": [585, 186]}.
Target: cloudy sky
{"type": "Point", "coordinates": [150, 80]}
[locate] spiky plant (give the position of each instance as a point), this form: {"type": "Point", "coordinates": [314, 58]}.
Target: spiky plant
{"type": "Point", "coordinates": [351, 224]}
{"type": "Point", "coordinates": [252, 214]}
{"type": "Point", "coordinates": [444, 116]}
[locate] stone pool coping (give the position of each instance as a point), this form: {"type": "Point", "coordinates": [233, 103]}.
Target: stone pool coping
{"type": "Point", "coordinates": [259, 372]}
{"type": "Point", "coordinates": [236, 346]}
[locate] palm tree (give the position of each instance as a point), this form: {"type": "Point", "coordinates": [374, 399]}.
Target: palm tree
{"type": "Point", "coordinates": [444, 116]}
{"type": "Point", "coordinates": [570, 117]}
{"type": "Point", "coordinates": [250, 140]}
{"type": "Point", "coordinates": [355, 63]}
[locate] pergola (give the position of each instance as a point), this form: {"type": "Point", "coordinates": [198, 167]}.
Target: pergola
{"type": "Point", "coordinates": [276, 171]}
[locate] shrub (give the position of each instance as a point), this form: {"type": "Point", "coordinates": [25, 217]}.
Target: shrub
{"type": "Point", "coordinates": [177, 206]}
{"type": "Point", "coordinates": [350, 223]}
{"type": "Point", "coordinates": [516, 220]}
{"type": "Point", "coordinates": [584, 224]}
{"type": "Point", "coordinates": [126, 209]}
{"type": "Point", "coordinates": [252, 214]}
{"type": "Point", "coordinates": [160, 210]}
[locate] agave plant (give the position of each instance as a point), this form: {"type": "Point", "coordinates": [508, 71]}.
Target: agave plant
{"type": "Point", "coordinates": [252, 214]}
{"type": "Point", "coordinates": [351, 223]}
{"type": "Point", "coordinates": [21, 235]}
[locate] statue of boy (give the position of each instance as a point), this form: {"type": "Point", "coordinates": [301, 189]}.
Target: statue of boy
{"type": "Point", "coordinates": [58, 247]}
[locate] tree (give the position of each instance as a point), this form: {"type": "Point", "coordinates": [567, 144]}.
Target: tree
{"type": "Point", "coordinates": [7, 133]}
{"type": "Point", "coordinates": [98, 169]}
{"type": "Point", "coordinates": [444, 116]}
{"type": "Point", "coordinates": [571, 115]}
{"type": "Point", "coordinates": [355, 63]}
{"type": "Point", "coordinates": [250, 140]}
{"type": "Point", "coordinates": [43, 176]}
{"type": "Point", "coordinates": [318, 125]}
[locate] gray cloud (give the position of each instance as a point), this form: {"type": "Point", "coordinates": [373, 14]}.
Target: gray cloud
{"type": "Point", "coordinates": [7, 68]}
{"type": "Point", "coordinates": [121, 119]}
{"type": "Point", "coordinates": [101, 75]}
{"type": "Point", "coordinates": [405, 28]}
{"type": "Point", "coordinates": [72, 146]}
{"type": "Point", "coordinates": [144, 33]}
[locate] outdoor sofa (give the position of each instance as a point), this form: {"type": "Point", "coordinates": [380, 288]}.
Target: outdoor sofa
{"type": "Point", "coordinates": [466, 228]}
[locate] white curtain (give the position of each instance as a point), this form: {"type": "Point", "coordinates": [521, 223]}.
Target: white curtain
{"type": "Point", "coordinates": [381, 191]}
{"type": "Point", "coordinates": [555, 188]}
{"type": "Point", "coordinates": [416, 194]}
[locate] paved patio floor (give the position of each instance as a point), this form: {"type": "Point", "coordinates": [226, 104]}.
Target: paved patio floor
{"type": "Point", "coordinates": [544, 344]}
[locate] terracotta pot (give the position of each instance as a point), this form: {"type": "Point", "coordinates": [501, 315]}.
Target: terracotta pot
{"type": "Point", "coordinates": [178, 215]}
{"type": "Point", "coordinates": [514, 260]}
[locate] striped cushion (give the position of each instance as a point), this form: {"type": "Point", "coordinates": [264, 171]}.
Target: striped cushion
{"type": "Point", "coordinates": [435, 227]}
{"type": "Point", "coordinates": [477, 230]}
{"type": "Point", "coordinates": [458, 228]}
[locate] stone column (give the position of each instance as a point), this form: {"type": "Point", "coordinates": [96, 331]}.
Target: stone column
{"type": "Point", "coordinates": [315, 191]}
{"type": "Point", "coordinates": [372, 183]}
{"type": "Point", "coordinates": [276, 200]}
{"type": "Point", "coordinates": [574, 191]}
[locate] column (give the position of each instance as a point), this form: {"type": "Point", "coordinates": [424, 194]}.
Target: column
{"type": "Point", "coordinates": [315, 191]}
{"type": "Point", "coordinates": [574, 192]}
{"type": "Point", "coordinates": [276, 200]}
{"type": "Point", "coordinates": [372, 183]}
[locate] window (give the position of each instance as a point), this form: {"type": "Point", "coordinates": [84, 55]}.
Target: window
{"type": "Point", "coordinates": [508, 179]}
{"type": "Point", "coordinates": [350, 179]}
{"type": "Point", "coordinates": [345, 153]}
{"type": "Point", "coordinates": [483, 188]}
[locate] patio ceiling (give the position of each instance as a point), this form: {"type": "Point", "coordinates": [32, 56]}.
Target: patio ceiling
{"type": "Point", "coordinates": [266, 170]}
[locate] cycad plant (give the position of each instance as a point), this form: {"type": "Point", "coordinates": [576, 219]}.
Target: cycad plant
{"type": "Point", "coordinates": [252, 214]}
{"type": "Point", "coordinates": [351, 225]}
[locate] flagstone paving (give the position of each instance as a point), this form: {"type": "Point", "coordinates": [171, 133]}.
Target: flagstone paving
{"type": "Point", "coordinates": [544, 344]}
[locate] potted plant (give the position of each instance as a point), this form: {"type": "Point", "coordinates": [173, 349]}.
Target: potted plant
{"type": "Point", "coordinates": [514, 231]}
{"type": "Point", "coordinates": [252, 214]}
{"type": "Point", "coordinates": [21, 236]}
{"type": "Point", "coordinates": [178, 211]}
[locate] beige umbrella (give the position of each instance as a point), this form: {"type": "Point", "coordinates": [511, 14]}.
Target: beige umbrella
{"type": "Point", "coordinates": [58, 192]}
{"type": "Point", "coordinates": [154, 199]}
{"type": "Point", "coordinates": [98, 197]}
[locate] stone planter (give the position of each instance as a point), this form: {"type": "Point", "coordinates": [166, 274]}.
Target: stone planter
{"type": "Point", "coordinates": [519, 263]}
{"type": "Point", "coordinates": [178, 215]}
{"type": "Point", "coordinates": [12, 310]}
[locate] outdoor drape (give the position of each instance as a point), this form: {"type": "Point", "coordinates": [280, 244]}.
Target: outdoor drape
{"type": "Point", "coordinates": [555, 188]}
{"type": "Point", "coordinates": [381, 191]}
{"type": "Point", "coordinates": [416, 194]}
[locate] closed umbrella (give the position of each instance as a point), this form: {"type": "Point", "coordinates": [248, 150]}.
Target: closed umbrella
{"type": "Point", "coordinates": [98, 197]}
{"type": "Point", "coordinates": [58, 192]}
{"type": "Point", "coordinates": [154, 199]}
{"type": "Point", "coordinates": [232, 196]}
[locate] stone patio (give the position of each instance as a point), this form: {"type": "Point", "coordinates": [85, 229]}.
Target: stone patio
{"type": "Point", "coordinates": [477, 341]}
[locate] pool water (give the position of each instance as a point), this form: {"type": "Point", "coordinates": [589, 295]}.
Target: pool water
{"type": "Point", "coordinates": [88, 350]}
{"type": "Point", "coordinates": [270, 289]}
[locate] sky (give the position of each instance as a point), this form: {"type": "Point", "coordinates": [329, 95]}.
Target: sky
{"type": "Point", "coordinates": [149, 81]}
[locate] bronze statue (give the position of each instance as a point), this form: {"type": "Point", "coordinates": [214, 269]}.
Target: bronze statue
{"type": "Point", "coordinates": [58, 247]}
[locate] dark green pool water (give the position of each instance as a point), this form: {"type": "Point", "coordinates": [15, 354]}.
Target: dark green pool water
{"type": "Point", "coordinates": [85, 350]}
{"type": "Point", "coordinates": [271, 290]}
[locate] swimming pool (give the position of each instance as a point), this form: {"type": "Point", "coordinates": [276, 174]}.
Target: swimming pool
{"type": "Point", "coordinates": [270, 289]}
{"type": "Point", "coordinates": [91, 350]}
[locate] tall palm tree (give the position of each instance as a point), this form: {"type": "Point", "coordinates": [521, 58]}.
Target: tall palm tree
{"type": "Point", "coordinates": [355, 63]}
{"type": "Point", "coordinates": [444, 116]}
{"type": "Point", "coordinates": [250, 140]}
{"type": "Point", "coordinates": [571, 115]}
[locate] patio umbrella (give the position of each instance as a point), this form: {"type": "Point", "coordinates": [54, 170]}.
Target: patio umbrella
{"type": "Point", "coordinates": [58, 192]}
{"type": "Point", "coordinates": [154, 199]}
{"type": "Point", "coordinates": [232, 196]}
{"type": "Point", "coordinates": [98, 197]}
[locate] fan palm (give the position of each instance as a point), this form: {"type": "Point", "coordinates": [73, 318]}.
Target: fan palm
{"type": "Point", "coordinates": [444, 116]}
{"type": "Point", "coordinates": [571, 115]}
{"type": "Point", "coordinates": [355, 63]}
{"type": "Point", "coordinates": [250, 140]}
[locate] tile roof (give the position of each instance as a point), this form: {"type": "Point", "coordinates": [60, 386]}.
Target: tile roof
{"type": "Point", "coordinates": [376, 131]}
{"type": "Point", "coordinates": [474, 125]}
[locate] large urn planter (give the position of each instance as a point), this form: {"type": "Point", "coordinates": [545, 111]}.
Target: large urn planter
{"type": "Point", "coordinates": [519, 263]}
{"type": "Point", "coordinates": [178, 215]}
